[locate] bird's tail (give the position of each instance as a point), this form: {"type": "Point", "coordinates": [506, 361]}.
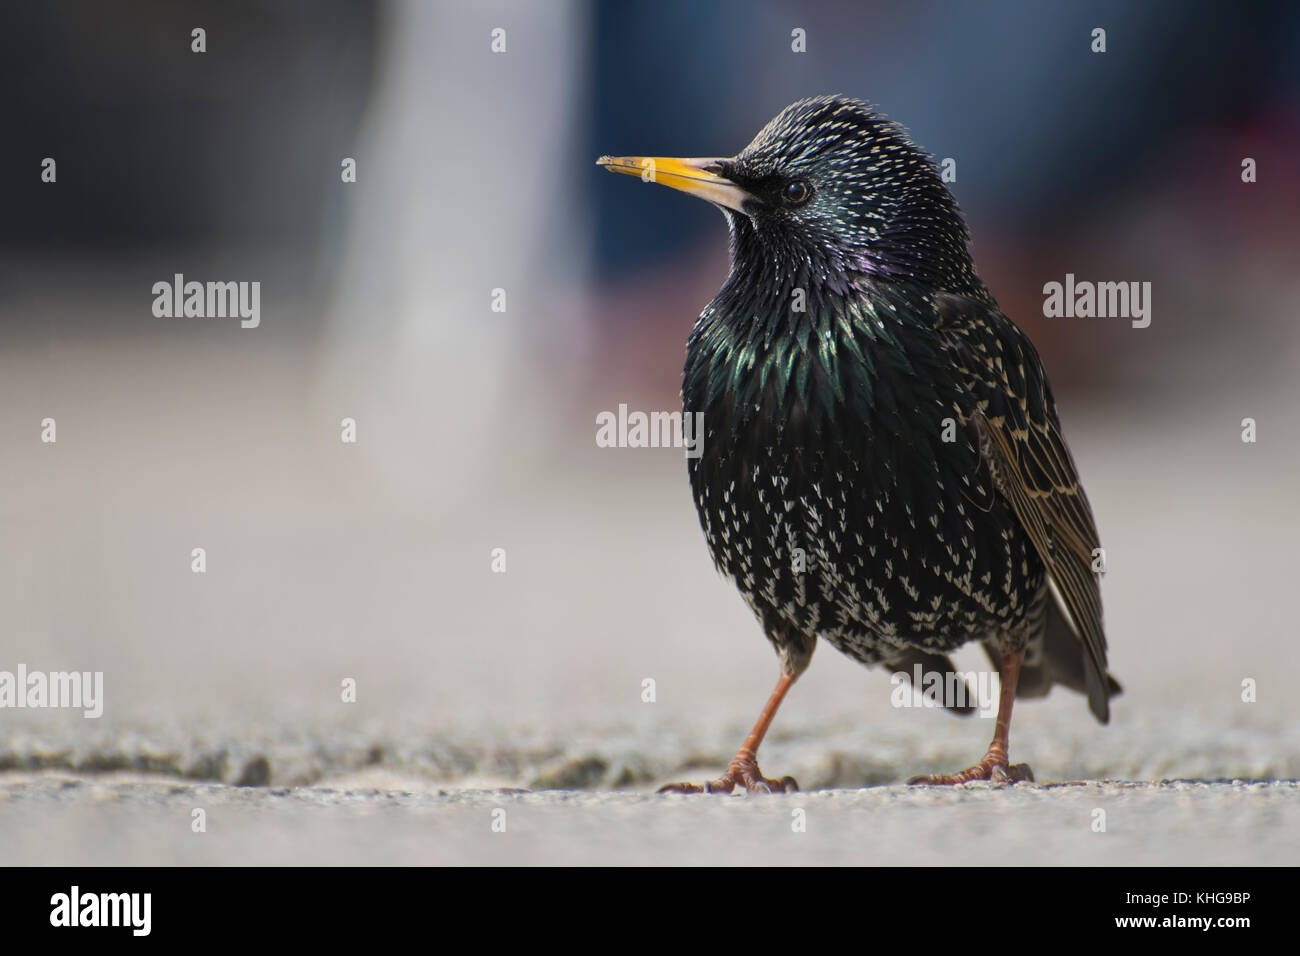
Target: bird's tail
{"type": "Point", "coordinates": [940, 667]}
{"type": "Point", "coordinates": [1061, 658]}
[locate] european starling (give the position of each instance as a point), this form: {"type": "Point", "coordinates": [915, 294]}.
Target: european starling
{"type": "Point", "coordinates": [882, 461]}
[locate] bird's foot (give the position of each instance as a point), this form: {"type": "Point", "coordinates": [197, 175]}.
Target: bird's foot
{"type": "Point", "coordinates": [995, 768]}
{"type": "Point", "coordinates": [741, 772]}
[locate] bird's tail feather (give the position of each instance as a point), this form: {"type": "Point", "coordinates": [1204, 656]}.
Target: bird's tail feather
{"type": "Point", "coordinates": [937, 664]}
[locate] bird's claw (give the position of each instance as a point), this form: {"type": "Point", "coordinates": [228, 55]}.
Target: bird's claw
{"type": "Point", "coordinates": [997, 772]}
{"type": "Point", "coordinates": [741, 772]}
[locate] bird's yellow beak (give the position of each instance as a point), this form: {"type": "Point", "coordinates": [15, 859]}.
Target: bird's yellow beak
{"type": "Point", "coordinates": [699, 177]}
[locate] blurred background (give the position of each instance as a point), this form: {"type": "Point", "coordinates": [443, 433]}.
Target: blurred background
{"type": "Point", "coordinates": [476, 427]}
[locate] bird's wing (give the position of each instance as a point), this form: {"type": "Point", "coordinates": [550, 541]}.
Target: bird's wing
{"type": "Point", "coordinates": [1020, 441]}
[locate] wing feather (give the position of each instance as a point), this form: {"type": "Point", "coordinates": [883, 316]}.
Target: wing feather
{"type": "Point", "coordinates": [1021, 443]}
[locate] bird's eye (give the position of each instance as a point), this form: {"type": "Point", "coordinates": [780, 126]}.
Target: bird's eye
{"type": "Point", "coordinates": [797, 192]}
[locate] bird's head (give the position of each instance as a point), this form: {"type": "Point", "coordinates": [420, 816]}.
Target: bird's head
{"type": "Point", "coordinates": [833, 188]}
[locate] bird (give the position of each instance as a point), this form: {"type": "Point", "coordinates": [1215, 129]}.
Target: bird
{"type": "Point", "coordinates": [881, 464]}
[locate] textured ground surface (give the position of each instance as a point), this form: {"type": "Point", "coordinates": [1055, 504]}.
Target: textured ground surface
{"type": "Point", "coordinates": [377, 819]}
{"type": "Point", "coordinates": [366, 797]}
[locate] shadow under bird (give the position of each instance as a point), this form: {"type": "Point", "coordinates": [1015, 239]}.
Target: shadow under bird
{"type": "Point", "coordinates": [882, 463]}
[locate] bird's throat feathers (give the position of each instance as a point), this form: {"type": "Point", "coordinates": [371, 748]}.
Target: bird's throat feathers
{"type": "Point", "coordinates": [812, 339]}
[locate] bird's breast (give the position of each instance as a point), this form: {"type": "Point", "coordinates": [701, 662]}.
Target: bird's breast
{"type": "Point", "coordinates": [835, 494]}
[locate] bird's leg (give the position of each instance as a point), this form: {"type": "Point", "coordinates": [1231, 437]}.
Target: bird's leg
{"type": "Point", "coordinates": [996, 766]}
{"type": "Point", "coordinates": [743, 769]}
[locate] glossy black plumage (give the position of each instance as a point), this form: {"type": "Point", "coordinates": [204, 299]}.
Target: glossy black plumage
{"type": "Point", "coordinates": [883, 465]}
